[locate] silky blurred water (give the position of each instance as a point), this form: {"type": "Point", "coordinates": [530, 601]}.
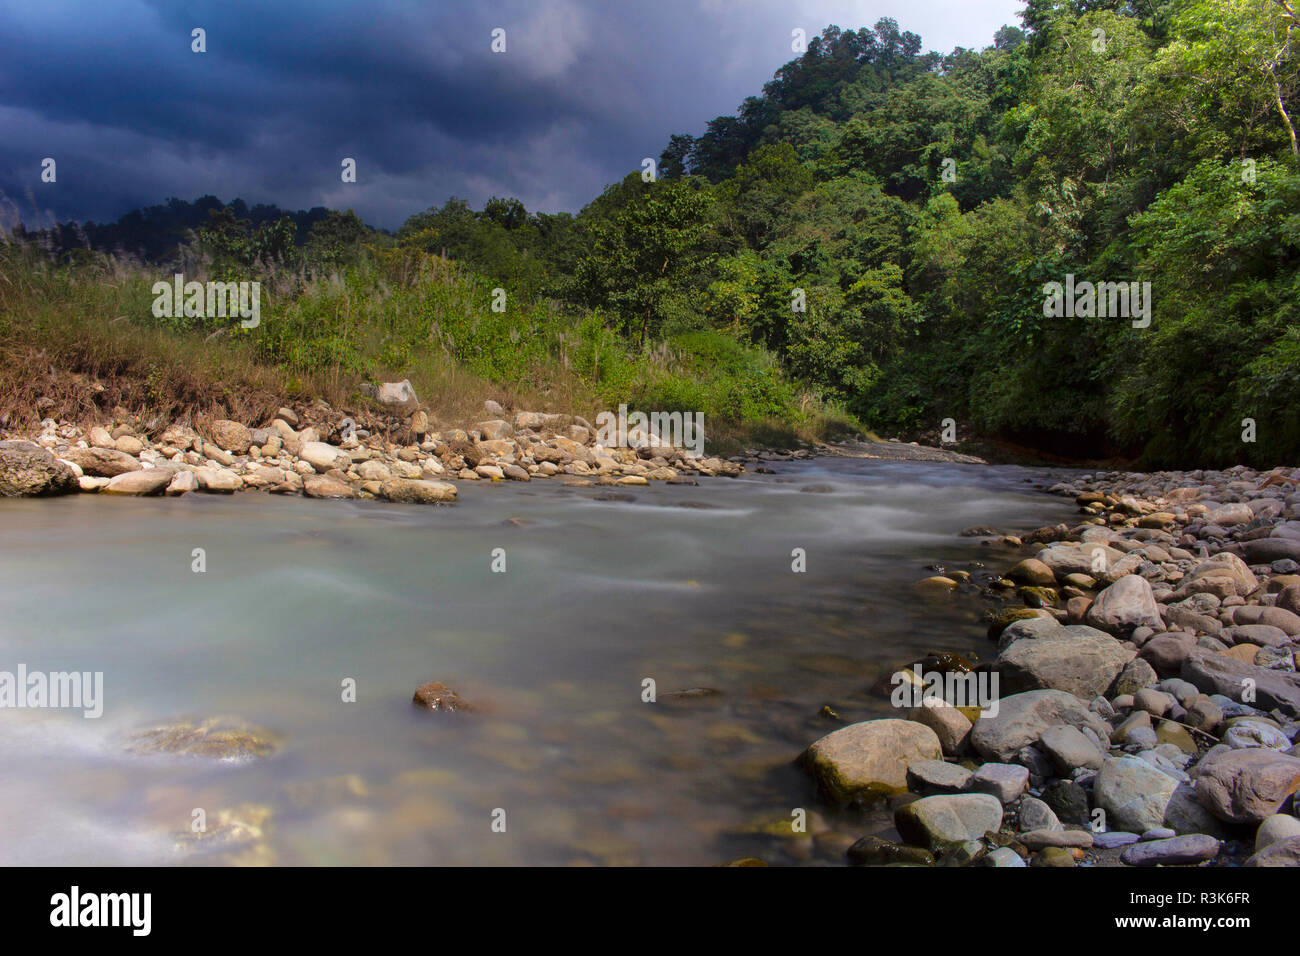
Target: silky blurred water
{"type": "Point", "coordinates": [688, 586]}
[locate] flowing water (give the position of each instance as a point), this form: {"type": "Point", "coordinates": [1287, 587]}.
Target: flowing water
{"type": "Point", "coordinates": [690, 587]}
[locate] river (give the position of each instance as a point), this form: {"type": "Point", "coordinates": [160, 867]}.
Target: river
{"type": "Point", "coordinates": [690, 587]}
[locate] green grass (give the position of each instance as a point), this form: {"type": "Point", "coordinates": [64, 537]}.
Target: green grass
{"type": "Point", "coordinates": [78, 340]}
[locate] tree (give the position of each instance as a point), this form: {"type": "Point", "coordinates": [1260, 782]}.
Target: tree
{"type": "Point", "coordinates": [641, 257]}
{"type": "Point", "coordinates": [1230, 67]}
{"type": "Point", "coordinates": [336, 240]}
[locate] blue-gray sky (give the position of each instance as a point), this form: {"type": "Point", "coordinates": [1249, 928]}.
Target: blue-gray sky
{"type": "Point", "coordinates": [410, 89]}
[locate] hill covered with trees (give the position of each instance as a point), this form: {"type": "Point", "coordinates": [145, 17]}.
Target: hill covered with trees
{"type": "Point", "coordinates": [878, 226]}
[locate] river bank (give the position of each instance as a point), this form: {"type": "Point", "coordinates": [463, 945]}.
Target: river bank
{"type": "Point", "coordinates": [320, 453]}
{"type": "Point", "coordinates": [1148, 708]}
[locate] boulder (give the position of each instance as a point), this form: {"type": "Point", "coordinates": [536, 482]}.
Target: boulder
{"type": "Point", "coordinates": [397, 395]}
{"type": "Point", "coordinates": [1006, 781]}
{"type": "Point", "coordinates": [1137, 674]}
{"type": "Point", "coordinates": [324, 486]}
{"type": "Point", "coordinates": [1166, 652]}
{"type": "Point", "coordinates": [1230, 515]}
{"type": "Point", "coordinates": [1214, 673]}
{"type": "Point", "coordinates": [1124, 606]}
{"type": "Point", "coordinates": [1177, 851]}
{"type": "Point", "coordinates": [182, 483]}
{"type": "Point", "coordinates": [217, 480]}
{"type": "Point", "coordinates": [1038, 839]}
{"type": "Point", "coordinates": [928, 777]}
{"type": "Point", "coordinates": [1223, 575]}
{"type": "Point", "coordinates": [874, 851]}
{"type": "Point", "coordinates": [1070, 748]}
{"type": "Point", "coordinates": [1078, 659]}
{"type": "Point", "coordinates": [232, 436]}
{"type": "Point", "coordinates": [1036, 815]}
{"type": "Point", "coordinates": [1277, 617]}
{"type": "Point", "coordinates": [869, 758]}
{"type": "Point", "coordinates": [1133, 793]}
{"type": "Point", "coordinates": [150, 481]}
{"type": "Point", "coordinates": [1022, 718]}
{"type": "Point", "coordinates": [322, 456]}
{"type": "Point", "coordinates": [1182, 617]}
{"type": "Point", "coordinates": [102, 462]}
{"type": "Point", "coordinates": [1245, 786]}
{"type": "Point", "coordinates": [417, 491]}
{"type": "Point", "coordinates": [28, 470]}
{"type": "Point", "coordinates": [949, 724]}
{"type": "Point", "coordinates": [1033, 572]}
{"type": "Point", "coordinates": [1282, 853]}
{"type": "Point", "coordinates": [494, 429]}
{"type": "Point", "coordinates": [1089, 558]}
{"type": "Point", "coordinates": [1267, 550]}
{"type": "Point", "coordinates": [936, 821]}
{"type": "Point", "coordinates": [1280, 826]}
{"type": "Point", "coordinates": [1185, 814]}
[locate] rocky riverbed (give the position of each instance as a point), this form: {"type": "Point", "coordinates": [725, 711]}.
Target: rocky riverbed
{"type": "Point", "coordinates": [320, 453]}
{"type": "Point", "coordinates": [1146, 658]}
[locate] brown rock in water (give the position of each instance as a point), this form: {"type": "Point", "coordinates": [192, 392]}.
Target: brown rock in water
{"type": "Point", "coordinates": [436, 695]}
{"type": "Point", "coordinates": [1033, 572]}
{"type": "Point", "coordinates": [323, 486]}
{"type": "Point", "coordinates": [417, 491]}
{"type": "Point", "coordinates": [869, 758]}
{"type": "Point", "coordinates": [219, 738]}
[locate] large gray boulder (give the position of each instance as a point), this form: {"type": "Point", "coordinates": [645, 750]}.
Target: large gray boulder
{"type": "Point", "coordinates": [1078, 659]}
{"type": "Point", "coordinates": [1022, 718]}
{"type": "Point", "coordinates": [323, 456]}
{"type": "Point", "coordinates": [1124, 606]}
{"type": "Point", "coordinates": [28, 470]}
{"type": "Point", "coordinates": [1087, 558]}
{"type": "Point", "coordinates": [936, 821]}
{"type": "Point", "coordinates": [1222, 575]}
{"type": "Point", "coordinates": [1133, 793]}
{"type": "Point", "coordinates": [1282, 853]}
{"type": "Point", "coordinates": [1245, 786]}
{"type": "Point", "coordinates": [1267, 550]}
{"type": "Point", "coordinates": [147, 481]}
{"type": "Point", "coordinates": [1214, 673]}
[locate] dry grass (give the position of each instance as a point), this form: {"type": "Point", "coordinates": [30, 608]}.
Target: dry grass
{"type": "Point", "coordinates": [70, 351]}
{"type": "Point", "coordinates": [77, 343]}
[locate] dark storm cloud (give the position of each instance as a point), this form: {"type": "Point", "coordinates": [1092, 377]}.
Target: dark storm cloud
{"type": "Point", "coordinates": [411, 90]}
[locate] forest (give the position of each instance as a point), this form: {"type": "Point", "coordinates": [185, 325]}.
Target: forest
{"type": "Point", "coordinates": [873, 232]}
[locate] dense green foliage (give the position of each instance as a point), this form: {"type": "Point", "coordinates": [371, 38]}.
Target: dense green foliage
{"type": "Point", "coordinates": [879, 225]}
{"type": "Point", "coordinates": [883, 221]}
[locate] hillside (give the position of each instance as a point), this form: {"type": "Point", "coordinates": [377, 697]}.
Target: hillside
{"type": "Point", "coordinates": [872, 240]}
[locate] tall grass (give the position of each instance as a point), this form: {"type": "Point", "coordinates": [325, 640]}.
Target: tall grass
{"type": "Point", "coordinates": [77, 340]}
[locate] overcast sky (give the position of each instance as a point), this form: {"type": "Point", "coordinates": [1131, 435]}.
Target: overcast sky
{"type": "Point", "coordinates": [409, 88]}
